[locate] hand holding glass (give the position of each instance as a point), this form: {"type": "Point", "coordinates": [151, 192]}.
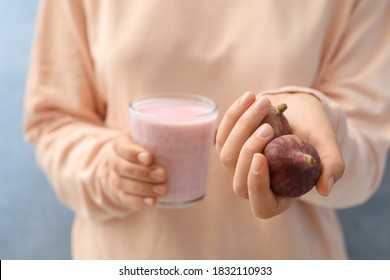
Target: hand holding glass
{"type": "Point", "coordinates": [178, 130]}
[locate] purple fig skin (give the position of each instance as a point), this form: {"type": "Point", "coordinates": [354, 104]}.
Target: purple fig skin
{"type": "Point", "coordinates": [277, 120]}
{"type": "Point", "coordinates": [294, 165]}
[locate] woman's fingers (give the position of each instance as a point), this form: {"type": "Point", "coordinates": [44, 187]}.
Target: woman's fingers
{"type": "Point", "coordinates": [255, 144]}
{"type": "Point", "coordinates": [135, 193]}
{"type": "Point", "coordinates": [231, 117]}
{"type": "Point", "coordinates": [137, 188]}
{"type": "Point", "coordinates": [128, 150]}
{"type": "Point", "coordinates": [134, 171]}
{"type": "Point", "coordinates": [137, 201]}
{"type": "Point", "coordinates": [128, 200]}
{"type": "Point", "coordinates": [243, 128]}
{"type": "Point", "coordinates": [264, 203]}
{"type": "Point", "coordinates": [132, 179]}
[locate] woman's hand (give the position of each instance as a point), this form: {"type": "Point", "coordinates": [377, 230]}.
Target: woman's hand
{"type": "Point", "coordinates": [240, 143]}
{"type": "Point", "coordinates": [132, 178]}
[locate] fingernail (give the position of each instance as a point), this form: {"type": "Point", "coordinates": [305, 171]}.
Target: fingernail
{"type": "Point", "coordinates": [246, 98]}
{"type": "Point", "coordinates": [159, 189]}
{"type": "Point", "coordinates": [143, 158]}
{"type": "Point", "coordinates": [264, 131]}
{"type": "Point", "coordinates": [255, 165]}
{"type": "Point", "coordinates": [149, 201]}
{"type": "Point", "coordinates": [261, 104]}
{"type": "Point", "coordinates": [330, 184]}
{"type": "Point", "coordinates": [157, 174]}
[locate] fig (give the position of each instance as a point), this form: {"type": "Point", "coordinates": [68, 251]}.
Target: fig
{"type": "Point", "coordinates": [294, 165]}
{"type": "Point", "coordinates": [277, 120]}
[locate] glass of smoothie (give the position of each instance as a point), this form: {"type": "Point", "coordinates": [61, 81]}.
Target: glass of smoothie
{"type": "Point", "coordinates": [179, 130]}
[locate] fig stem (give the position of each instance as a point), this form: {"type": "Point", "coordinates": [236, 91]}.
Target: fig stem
{"type": "Point", "coordinates": [281, 108]}
{"type": "Point", "coordinates": [310, 160]}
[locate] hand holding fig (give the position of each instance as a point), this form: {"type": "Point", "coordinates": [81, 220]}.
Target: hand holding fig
{"type": "Point", "coordinates": [309, 120]}
{"type": "Point", "coordinates": [240, 142]}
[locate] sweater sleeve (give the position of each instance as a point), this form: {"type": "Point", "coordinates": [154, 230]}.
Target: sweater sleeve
{"type": "Point", "coordinates": [354, 87]}
{"type": "Point", "coordinates": [64, 112]}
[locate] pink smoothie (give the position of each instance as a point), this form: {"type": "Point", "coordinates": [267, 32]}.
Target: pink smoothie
{"type": "Point", "coordinates": [180, 135]}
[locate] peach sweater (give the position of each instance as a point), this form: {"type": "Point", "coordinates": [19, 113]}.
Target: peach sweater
{"type": "Point", "coordinates": [90, 58]}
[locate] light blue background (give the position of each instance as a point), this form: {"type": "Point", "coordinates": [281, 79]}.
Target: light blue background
{"type": "Point", "coordinates": [34, 225]}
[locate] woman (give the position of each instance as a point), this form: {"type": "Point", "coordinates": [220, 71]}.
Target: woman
{"type": "Point", "coordinates": [328, 60]}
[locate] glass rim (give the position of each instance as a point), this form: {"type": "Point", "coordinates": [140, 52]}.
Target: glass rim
{"type": "Point", "coordinates": [175, 96]}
